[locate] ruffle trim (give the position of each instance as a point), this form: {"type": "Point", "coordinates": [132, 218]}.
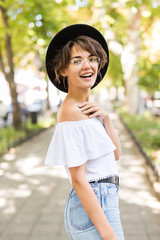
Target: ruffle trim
{"type": "Point", "coordinates": [101, 178]}
{"type": "Point", "coordinates": [74, 143]}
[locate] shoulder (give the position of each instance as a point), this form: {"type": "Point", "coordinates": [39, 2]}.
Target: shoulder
{"type": "Point", "coordinates": [70, 111]}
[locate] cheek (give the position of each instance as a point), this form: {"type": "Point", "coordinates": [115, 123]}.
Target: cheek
{"type": "Point", "coordinates": [72, 74]}
{"type": "Point", "coordinates": [96, 70]}
{"type": "Point", "coordinates": [72, 71]}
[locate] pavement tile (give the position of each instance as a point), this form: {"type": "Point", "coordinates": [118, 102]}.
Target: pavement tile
{"type": "Point", "coordinates": [62, 237]}
{"type": "Point", "coordinates": [18, 229]}
{"type": "Point", "coordinates": [30, 210]}
{"type": "Point", "coordinates": [136, 237]}
{"type": "Point", "coordinates": [48, 237]}
{"type": "Point", "coordinates": [26, 218]}
{"type": "Point", "coordinates": [2, 227]}
{"type": "Point", "coordinates": [45, 229]}
{"type": "Point", "coordinates": [50, 218]}
{"type": "Point", "coordinates": [5, 218]}
{"type": "Point", "coordinates": [134, 229]}
{"type": "Point", "coordinates": [154, 237]}
{"type": "Point", "coordinates": [15, 237]}
{"type": "Point", "coordinates": [153, 228]}
{"type": "Point", "coordinates": [132, 219]}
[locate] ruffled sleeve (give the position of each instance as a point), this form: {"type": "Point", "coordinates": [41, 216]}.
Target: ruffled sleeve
{"type": "Point", "coordinates": [74, 143]}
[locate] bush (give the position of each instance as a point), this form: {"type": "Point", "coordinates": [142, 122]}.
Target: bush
{"type": "Point", "coordinates": [9, 137]}
{"type": "Point", "coordinates": [146, 129]}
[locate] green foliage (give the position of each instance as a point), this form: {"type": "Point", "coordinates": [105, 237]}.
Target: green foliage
{"type": "Point", "coordinates": [115, 71]}
{"type": "Point", "coordinates": [117, 18]}
{"type": "Point", "coordinates": [146, 129]}
{"type": "Point", "coordinates": [9, 136]}
{"type": "Point", "coordinates": [149, 75]}
{"type": "Point", "coordinates": [31, 24]}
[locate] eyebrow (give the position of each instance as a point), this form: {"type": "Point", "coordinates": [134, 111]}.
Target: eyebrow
{"type": "Point", "coordinates": [80, 56]}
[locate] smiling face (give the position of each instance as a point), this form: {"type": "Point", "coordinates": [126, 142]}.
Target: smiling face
{"type": "Point", "coordinates": [82, 69]}
{"type": "Point", "coordinates": [63, 62]}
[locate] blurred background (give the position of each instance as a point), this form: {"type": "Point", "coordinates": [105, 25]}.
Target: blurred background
{"type": "Point", "coordinates": [28, 102]}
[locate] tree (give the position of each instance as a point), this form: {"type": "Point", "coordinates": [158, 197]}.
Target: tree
{"type": "Point", "coordinates": [26, 26]}
{"type": "Point", "coordinates": [121, 23]}
{"type": "Point", "coordinates": [7, 67]}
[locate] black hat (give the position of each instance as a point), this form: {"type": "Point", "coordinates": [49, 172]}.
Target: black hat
{"type": "Point", "coordinates": [67, 34]}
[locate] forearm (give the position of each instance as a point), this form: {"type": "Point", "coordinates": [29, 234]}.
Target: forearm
{"type": "Point", "coordinates": [112, 134]}
{"type": "Point", "coordinates": [93, 209]}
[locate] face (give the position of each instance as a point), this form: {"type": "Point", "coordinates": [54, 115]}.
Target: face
{"type": "Point", "coordinates": [82, 69]}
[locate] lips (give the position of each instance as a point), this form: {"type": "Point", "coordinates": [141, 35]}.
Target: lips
{"type": "Point", "coordinates": [86, 75]}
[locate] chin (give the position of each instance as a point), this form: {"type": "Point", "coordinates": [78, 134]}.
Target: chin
{"type": "Point", "coordinates": [88, 86]}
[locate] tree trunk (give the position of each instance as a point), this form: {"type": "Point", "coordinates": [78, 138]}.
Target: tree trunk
{"type": "Point", "coordinates": [17, 123]}
{"type": "Point", "coordinates": [48, 105]}
{"type": "Point", "coordinates": [9, 73]}
{"type": "Point", "coordinates": [129, 62]}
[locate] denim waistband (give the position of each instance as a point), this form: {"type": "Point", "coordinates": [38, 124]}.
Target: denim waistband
{"type": "Point", "coordinates": [112, 179]}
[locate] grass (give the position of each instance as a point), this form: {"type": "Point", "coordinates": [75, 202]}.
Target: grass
{"type": "Point", "coordinates": [146, 129]}
{"type": "Point", "coordinates": [9, 136]}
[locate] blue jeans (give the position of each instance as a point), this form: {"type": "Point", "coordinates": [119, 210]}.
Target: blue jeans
{"type": "Point", "coordinates": [78, 224]}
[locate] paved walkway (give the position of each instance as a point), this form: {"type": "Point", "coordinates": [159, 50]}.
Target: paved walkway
{"type": "Point", "coordinates": [32, 196]}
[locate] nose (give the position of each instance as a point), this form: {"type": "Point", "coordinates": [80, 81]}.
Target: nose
{"type": "Point", "coordinates": [86, 64]}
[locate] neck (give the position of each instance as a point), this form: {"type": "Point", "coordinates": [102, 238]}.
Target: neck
{"type": "Point", "coordinates": [79, 96]}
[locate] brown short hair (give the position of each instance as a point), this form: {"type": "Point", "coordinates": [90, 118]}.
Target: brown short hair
{"type": "Point", "coordinates": [63, 56]}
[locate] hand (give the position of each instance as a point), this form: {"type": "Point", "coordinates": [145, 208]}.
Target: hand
{"type": "Point", "coordinates": [93, 110]}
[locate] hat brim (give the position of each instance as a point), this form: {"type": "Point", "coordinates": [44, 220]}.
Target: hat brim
{"type": "Point", "coordinates": [67, 34]}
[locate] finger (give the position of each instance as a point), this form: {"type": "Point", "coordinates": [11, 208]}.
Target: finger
{"type": "Point", "coordinates": [80, 105]}
{"type": "Point", "coordinates": [86, 108]}
{"type": "Point", "coordinates": [85, 104]}
{"type": "Point", "coordinates": [90, 110]}
{"type": "Point", "coordinates": [88, 105]}
{"type": "Point", "coordinates": [96, 114]}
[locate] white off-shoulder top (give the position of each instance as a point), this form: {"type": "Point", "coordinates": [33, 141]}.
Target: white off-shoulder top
{"type": "Point", "coordinates": [83, 142]}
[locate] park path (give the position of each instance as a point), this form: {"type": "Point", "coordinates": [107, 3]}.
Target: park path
{"type": "Point", "coordinates": [32, 195]}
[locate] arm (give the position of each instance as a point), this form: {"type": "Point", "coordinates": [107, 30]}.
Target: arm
{"type": "Point", "coordinates": [90, 203]}
{"type": "Point", "coordinates": [95, 110]}
{"type": "Point", "coordinates": [111, 132]}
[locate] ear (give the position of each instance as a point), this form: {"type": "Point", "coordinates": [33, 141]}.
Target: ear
{"type": "Point", "coordinates": [64, 73]}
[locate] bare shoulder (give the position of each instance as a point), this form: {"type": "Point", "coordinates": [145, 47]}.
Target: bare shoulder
{"type": "Point", "coordinates": [70, 111]}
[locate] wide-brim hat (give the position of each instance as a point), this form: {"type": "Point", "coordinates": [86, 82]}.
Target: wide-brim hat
{"type": "Point", "coordinates": [65, 35]}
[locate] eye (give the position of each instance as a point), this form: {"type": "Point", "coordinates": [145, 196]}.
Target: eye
{"type": "Point", "coordinates": [94, 59]}
{"type": "Point", "coordinates": [76, 61]}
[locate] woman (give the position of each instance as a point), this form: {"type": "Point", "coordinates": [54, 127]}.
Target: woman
{"type": "Point", "coordinates": [84, 140]}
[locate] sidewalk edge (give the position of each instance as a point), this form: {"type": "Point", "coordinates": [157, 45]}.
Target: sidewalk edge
{"type": "Point", "coordinates": [25, 139]}
{"type": "Point", "coordinates": [150, 170]}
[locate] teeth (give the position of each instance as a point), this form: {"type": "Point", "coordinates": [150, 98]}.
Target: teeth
{"type": "Point", "coordinates": [87, 75]}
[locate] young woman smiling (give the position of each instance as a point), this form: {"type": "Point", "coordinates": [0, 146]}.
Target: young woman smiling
{"type": "Point", "coordinates": [84, 140]}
